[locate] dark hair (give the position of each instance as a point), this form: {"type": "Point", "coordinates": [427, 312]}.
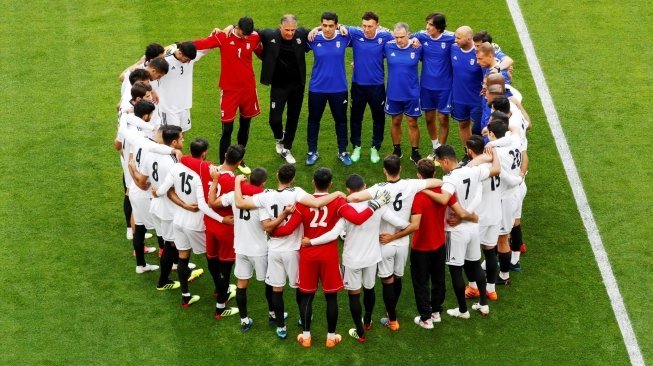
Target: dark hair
{"type": "Point", "coordinates": [322, 178]}
{"type": "Point", "coordinates": [286, 173]}
{"type": "Point", "coordinates": [153, 50]}
{"type": "Point", "coordinates": [446, 152]}
{"type": "Point", "coordinates": [482, 36]}
{"type": "Point", "coordinates": [500, 116]}
{"type": "Point", "coordinates": [139, 89]}
{"type": "Point", "coordinates": [143, 107]}
{"type": "Point", "coordinates": [198, 147]}
{"type": "Point", "coordinates": [169, 133]}
{"type": "Point", "coordinates": [439, 21]}
{"type": "Point", "coordinates": [368, 15]}
{"type": "Point", "coordinates": [498, 126]}
{"type": "Point", "coordinates": [501, 103]}
{"type": "Point", "coordinates": [234, 154]}
{"type": "Point", "coordinates": [246, 25]}
{"type": "Point", "coordinates": [159, 64]}
{"type": "Point", "coordinates": [475, 143]}
{"type": "Point", "coordinates": [426, 168]}
{"type": "Point", "coordinates": [328, 15]}
{"type": "Point", "coordinates": [258, 177]}
{"type": "Point", "coordinates": [355, 182]}
{"type": "Point", "coordinates": [188, 49]}
{"type": "Point", "coordinates": [138, 75]}
{"type": "Point", "coordinates": [392, 164]}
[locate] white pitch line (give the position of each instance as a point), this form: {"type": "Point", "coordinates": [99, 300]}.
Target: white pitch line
{"type": "Point", "coordinates": [617, 302]}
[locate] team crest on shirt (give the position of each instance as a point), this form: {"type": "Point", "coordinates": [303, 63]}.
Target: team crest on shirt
{"type": "Point", "coordinates": [471, 62]}
{"type": "Point", "coordinates": [247, 45]}
{"type": "Point", "coordinates": [380, 40]}
{"type": "Point", "coordinates": [338, 44]}
{"type": "Point", "coordinates": [299, 41]}
{"type": "Point", "coordinates": [444, 45]}
{"type": "Point", "coordinates": [412, 55]}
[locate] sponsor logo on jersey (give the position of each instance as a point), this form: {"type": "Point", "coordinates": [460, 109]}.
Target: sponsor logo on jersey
{"type": "Point", "coordinates": [232, 43]}
{"type": "Point", "coordinates": [361, 39]}
{"type": "Point", "coordinates": [426, 44]}
{"type": "Point", "coordinates": [455, 58]}
{"type": "Point", "coordinates": [319, 44]}
{"type": "Point", "coordinates": [392, 54]}
{"type": "Point", "coordinates": [273, 41]}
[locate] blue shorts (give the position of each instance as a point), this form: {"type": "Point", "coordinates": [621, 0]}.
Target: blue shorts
{"type": "Point", "coordinates": [439, 100]}
{"type": "Point", "coordinates": [466, 112]}
{"type": "Point", "coordinates": [407, 107]}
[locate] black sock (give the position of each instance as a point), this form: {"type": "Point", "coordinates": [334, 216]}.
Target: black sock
{"type": "Point", "coordinates": [490, 264]}
{"type": "Point", "coordinates": [369, 299]}
{"type": "Point", "coordinates": [183, 272]}
{"type": "Point", "coordinates": [389, 299]}
{"type": "Point", "coordinates": [278, 306]}
{"type": "Point", "coordinates": [268, 297]}
{"type": "Point", "coordinates": [241, 301]}
{"type": "Point", "coordinates": [139, 244]}
{"type": "Point", "coordinates": [356, 313]}
{"type": "Point", "coordinates": [515, 238]}
{"type": "Point", "coordinates": [306, 310]}
{"type": "Point", "coordinates": [504, 261]}
{"type": "Point", "coordinates": [398, 287]}
{"type": "Point", "coordinates": [166, 264]}
{"type": "Point", "coordinates": [161, 242]}
{"type": "Point", "coordinates": [458, 286]}
{"type": "Point", "coordinates": [331, 311]}
{"type": "Point", "coordinates": [476, 268]}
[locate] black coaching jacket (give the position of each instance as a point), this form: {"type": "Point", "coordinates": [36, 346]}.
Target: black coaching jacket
{"type": "Point", "coordinates": [271, 42]}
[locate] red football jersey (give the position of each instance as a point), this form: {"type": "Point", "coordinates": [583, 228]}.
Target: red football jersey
{"type": "Point", "coordinates": [235, 58]}
{"type": "Point", "coordinates": [430, 233]}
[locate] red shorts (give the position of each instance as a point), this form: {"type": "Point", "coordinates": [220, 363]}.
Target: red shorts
{"type": "Point", "coordinates": [220, 242]}
{"type": "Point", "coordinates": [245, 100]}
{"type": "Point", "coordinates": [324, 268]}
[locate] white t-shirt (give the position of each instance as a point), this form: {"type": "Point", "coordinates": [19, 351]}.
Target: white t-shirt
{"type": "Point", "coordinates": [466, 183]}
{"type": "Point", "coordinates": [271, 203]}
{"type": "Point", "coordinates": [157, 167]}
{"type": "Point", "coordinates": [402, 194]}
{"type": "Point", "coordinates": [249, 237]}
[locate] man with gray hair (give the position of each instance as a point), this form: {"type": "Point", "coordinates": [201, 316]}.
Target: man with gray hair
{"type": "Point", "coordinates": [284, 69]}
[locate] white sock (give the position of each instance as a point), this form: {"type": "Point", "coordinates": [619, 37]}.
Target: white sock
{"type": "Point", "coordinates": [515, 257]}
{"type": "Point", "coordinates": [504, 275]}
{"type": "Point", "coordinates": [306, 335]}
{"type": "Point", "coordinates": [331, 335]}
{"type": "Point", "coordinates": [244, 320]}
{"type": "Point", "coordinates": [483, 265]}
{"type": "Point", "coordinates": [472, 284]}
{"type": "Point", "coordinates": [129, 231]}
{"type": "Point", "coordinates": [435, 143]}
{"type": "Point", "coordinates": [187, 294]}
{"type": "Point", "coordinates": [220, 306]}
{"type": "Point", "coordinates": [271, 313]}
{"type": "Point", "coordinates": [490, 287]}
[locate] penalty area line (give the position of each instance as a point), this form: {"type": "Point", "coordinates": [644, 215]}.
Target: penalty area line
{"type": "Point", "coordinates": [616, 300]}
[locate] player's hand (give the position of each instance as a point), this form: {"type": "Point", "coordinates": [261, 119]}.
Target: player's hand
{"type": "Point", "coordinates": [343, 31]}
{"type": "Point", "coordinates": [178, 154]}
{"type": "Point", "coordinates": [489, 149]}
{"type": "Point", "coordinates": [485, 132]}
{"type": "Point", "coordinates": [289, 209]}
{"type": "Point", "coordinates": [381, 198]}
{"type": "Point", "coordinates": [306, 242]}
{"type": "Point", "coordinates": [312, 34]}
{"type": "Point", "coordinates": [117, 144]}
{"type": "Point", "coordinates": [241, 178]}
{"type": "Point", "coordinates": [155, 97]}
{"type": "Point", "coordinates": [228, 220]}
{"type": "Point", "coordinates": [214, 171]}
{"type": "Point", "coordinates": [192, 207]}
{"type": "Point", "coordinates": [154, 192]}
{"type": "Point", "coordinates": [385, 238]}
{"type": "Point", "coordinates": [340, 194]}
{"type": "Point", "coordinates": [415, 43]}
{"type": "Point", "coordinates": [215, 32]}
{"type": "Point", "coordinates": [474, 217]}
{"type": "Point", "coordinates": [454, 220]}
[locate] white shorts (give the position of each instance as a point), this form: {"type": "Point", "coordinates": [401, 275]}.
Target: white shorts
{"type": "Point", "coordinates": [509, 205]}
{"type": "Point", "coordinates": [246, 265]}
{"type": "Point", "coordinates": [282, 265]}
{"type": "Point", "coordinates": [163, 228]}
{"type": "Point", "coordinates": [141, 210]}
{"type": "Point", "coordinates": [181, 119]}
{"type": "Point", "coordinates": [462, 245]}
{"type": "Point", "coordinates": [489, 234]}
{"type": "Point", "coordinates": [186, 239]}
{"type": "Point", "coordinates": [393, 261]}
{"type": "Point", "coordinates": [522, 194]}
{"type": "Point", "coordinates": [355, 278]}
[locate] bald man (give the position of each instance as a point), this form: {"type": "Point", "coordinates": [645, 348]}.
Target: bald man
{"type": "Point", "coordinates": [466, 85]}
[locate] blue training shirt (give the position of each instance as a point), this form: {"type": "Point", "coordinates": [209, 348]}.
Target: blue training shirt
{"type": "Point", "coordinates": [467, 76]}
{"type": "Point", "coordinates": [368, 56]}
{"type": "Point", "coordinates": [329, 75]}
{"type": "Point", "coordinates": [436, 60]}
{"type": "Point", "coordinates": [403, 83]}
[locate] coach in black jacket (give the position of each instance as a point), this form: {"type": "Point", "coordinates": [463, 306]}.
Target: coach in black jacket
{"type": "Point", "coordinates": [284, 68]}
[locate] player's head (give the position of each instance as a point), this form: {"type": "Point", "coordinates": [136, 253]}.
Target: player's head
{"type": "Point", "coordinates": [245, 26]}
{"type": "Point", "coordinates": [392, 165]}
{"type": "Point", "coordinates": [153, 50]}
{"type": "Point", "coordinates": [329, 23]}
{"type": "Point", "coordinates": [234, 155]}
{"type": "Point", "coordinates": [355, 183]}
{"type": "Point", "coordinates": [258, 177]}
{"type": "Point", "coordinates": [198, 148]}
{"type": "Point", "coordinates": [144, 109]}
{"type": "Point", "coordinates": [286, 173]}
{"type": "Point", "coordinates": [495, 85]}
{"type": "Point", "coordinates": [186, 52]}
{"type": "Point", "coordinates": [498, 125]}
{"type": "Point", "coordinates": [172, 136]}
{"type": "Point", "coordinates": [288, 26]}
{"type": "Point", "coordinates": [322, 179]}
{"type": "Point", "coordinates": [425, 168]}
{"type": "Point", "coordinates": [139, 75]}
{"type": "Point", "coordinates": [446, 157]}
{"type": "Point", "coordinates": [464, 37]}
{"type": "Point", "coordinates": [158, 67]}
{"type": "Point", "coordinates": [401, 32]}
{"type": "Point", "coordinates": [481, 37]}
{"type": "Point", "coordinates": [141, 90]}
{"type": "Point", "coordinates": [485, 54]}
{"type": "Point", "coordinates": [370, 23]}
{"type": "Point", "coordinates": [500, 103]}
{"type": "Point", "coordinates": [475, 145]}
{"type": "Point", "coordinates": [436, 23]}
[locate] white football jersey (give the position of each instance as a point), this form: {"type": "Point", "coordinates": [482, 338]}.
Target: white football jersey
{"type": "Point", "coordinates": [402, 194]}
{"type": "Point", "coordinates": [508, 149]}
{"type": "Point", "coordinates": [271, 203]}
{"type": "Point", "coordinates": [157, 167]}
{"type": "Point", "coordinates": [489, 210]}
{"type": "Point", "coordinates": [518, 122]}
{"type": "Point", "coordinates": [140, 147]}
{"type": "Point", "coordinates": [185, 183]}
{"type": "Point", "coordinates": [176, 87]}
{"type": "Point", "coordinates": [249, 237]}
{"type": "Point", "coordinates": [466, 183]}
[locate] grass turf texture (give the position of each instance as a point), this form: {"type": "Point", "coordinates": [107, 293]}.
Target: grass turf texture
{"type": "Point", "coordinates": [70, 292]}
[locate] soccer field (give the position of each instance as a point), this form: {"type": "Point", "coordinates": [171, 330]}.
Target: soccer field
{"type": "Point", "coordinates": [70, 295]}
